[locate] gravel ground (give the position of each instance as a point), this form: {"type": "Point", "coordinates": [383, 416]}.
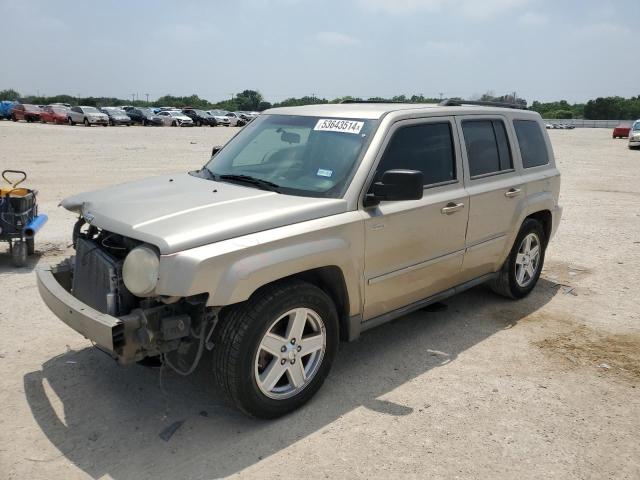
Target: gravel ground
{"type": "Point", "coordinates": [545, 387]}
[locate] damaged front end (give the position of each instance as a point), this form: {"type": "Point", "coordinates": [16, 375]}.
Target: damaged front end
{"type": "Point", "coordinates": [88, 293]}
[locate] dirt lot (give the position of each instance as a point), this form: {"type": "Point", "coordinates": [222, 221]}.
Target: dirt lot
{"type": "Point", "coordinates": [546, 387]}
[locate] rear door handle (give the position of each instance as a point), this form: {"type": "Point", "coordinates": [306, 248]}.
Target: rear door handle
{"type": "Point", "coordinates": [512, 192]}
{"type": "Point", "coordinates": [452, 208]}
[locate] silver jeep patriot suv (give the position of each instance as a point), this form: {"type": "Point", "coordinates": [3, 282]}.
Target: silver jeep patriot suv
{"type": "Point", "coordinates": [310, 226]}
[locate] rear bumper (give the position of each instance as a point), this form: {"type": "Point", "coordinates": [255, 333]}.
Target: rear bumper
{"type": "Point", "coordinates": [54, 284]}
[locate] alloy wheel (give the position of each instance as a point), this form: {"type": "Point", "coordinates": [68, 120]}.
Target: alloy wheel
{"type": "Point", "coordinates": [527, 260]}
{"type": "Point", "coordinates": [290, 353]}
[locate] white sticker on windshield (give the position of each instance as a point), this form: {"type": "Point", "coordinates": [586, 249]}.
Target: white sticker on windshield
{"type": "Point", "coordinates": [344, 126]}
{"type": "Point", "coordinates": [324, 173]}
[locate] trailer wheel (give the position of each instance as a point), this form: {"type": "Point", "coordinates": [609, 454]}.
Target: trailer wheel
{"type": "Point", "coordinates": [31, 246]}
{"type": "Point", "coordinates": [19, 253]}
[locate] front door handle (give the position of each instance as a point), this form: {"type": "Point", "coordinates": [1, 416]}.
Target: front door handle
{"type": "Point", "coordinates": [452, 208]}
{"type": "Point", "coordinates": [512, 192]}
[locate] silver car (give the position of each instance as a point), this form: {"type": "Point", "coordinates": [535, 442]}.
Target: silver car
{"type": "Point", "coordinates": [311, 226]}
{"type": "Point", "coordinates": [634, 135]}
{"type": "Point", "coordinates": [175, 118]}
{"type": "Point", "coordinates": [221, 117]}
{"type": "Point", "coordinates": [87, 115]}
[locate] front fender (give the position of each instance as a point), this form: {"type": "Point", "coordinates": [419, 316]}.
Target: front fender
{"type": "Point", "coordinates": [231, 270]}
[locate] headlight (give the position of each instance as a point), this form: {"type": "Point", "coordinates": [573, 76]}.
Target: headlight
{"type": "Point", "coordinates": [140, 270]}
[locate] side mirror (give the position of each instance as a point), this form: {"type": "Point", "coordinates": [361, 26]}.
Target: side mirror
{"type": "Point", "coordinates": [215, 150]}
{"type": "Point", "coordinates": [396, 185]}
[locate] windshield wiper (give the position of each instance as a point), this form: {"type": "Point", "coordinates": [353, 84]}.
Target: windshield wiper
{"type": "Point", "coordinates": [258, 182]}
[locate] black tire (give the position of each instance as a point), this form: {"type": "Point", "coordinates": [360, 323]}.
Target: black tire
{"type": "Point", "coordinates": [31, 246]}
{"type": "Point", "coordinates": [19, 254]}
{"type": "Point", "coordinates": [13, 118]}
{"type": "Point", "coordinates": [112, 123]}
{"type": "Point", "coordinates": [86, 123]}
{"type": "Point", "coordinates": [238, 336]}
{"type": "Point", "coordinates": [198, 123]}
{"type": "Point", "coordinates": [506, 284]}
{"type": "Point", "coordinates": [71, 122]}
{"type": "Point", "coordinates": [144, 122]}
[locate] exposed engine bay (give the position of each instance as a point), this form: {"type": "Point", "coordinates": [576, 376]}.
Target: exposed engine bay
{"type": "Point", "coordinates": [175, 330]}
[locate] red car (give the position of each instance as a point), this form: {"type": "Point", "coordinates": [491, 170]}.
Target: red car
{"type": "Point", "coordinates": [24, 111]}
{"type": "Point", "coordinates": [54, 114]}
{"type": "Point", "coordinates": [622, 130]}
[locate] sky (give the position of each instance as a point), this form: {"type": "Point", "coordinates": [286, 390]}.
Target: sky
{"type": "Point", "coordinates": [542, 49]}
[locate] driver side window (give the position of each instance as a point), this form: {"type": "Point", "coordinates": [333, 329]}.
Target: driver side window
{"type": "Point", "coordinates": [427, 148]}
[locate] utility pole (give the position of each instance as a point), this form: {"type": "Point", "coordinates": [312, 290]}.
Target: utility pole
{"type": "Point", "coordinates": [147, 95]}
{"type": "Point", "coordinates": [133, 98]}
{"type": "Point", "coordinates": [441, 95]}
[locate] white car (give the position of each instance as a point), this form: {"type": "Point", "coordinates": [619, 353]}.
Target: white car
{"type": "Point", "coordinates": [634, 135]}
{"type": "Point", "coordinates": [87, 115]}
{"type": "Point", "coordinates": [175, 118]}
{"type": "Point", "coordinates": [220, 116]}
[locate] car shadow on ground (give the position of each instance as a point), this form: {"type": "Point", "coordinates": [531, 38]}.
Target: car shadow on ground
{"type": "Point", "coordinates": [106, 419]}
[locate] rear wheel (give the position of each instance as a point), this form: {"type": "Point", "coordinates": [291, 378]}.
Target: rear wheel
{"type": "Point", "coordinates": [71, 122]}
{"type": "Point", "coordinates": [14, 118]}
{"type": "Point", "coordinates": [274, 351]}
{"type": "Point", "coordinates": [521, 270]}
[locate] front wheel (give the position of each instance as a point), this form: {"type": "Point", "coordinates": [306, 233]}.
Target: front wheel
{"type": "Point", "coordinates": [521, 270]}
{"type": "Point", "coordinates": [86, 123]}
{"type": "Point", "coordinates": [273, 352]}
{"type": "Point", "coordinates": [19, 254]}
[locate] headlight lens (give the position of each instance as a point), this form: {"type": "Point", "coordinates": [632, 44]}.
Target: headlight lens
{"type": "Point", "coordinates": [140, 270]}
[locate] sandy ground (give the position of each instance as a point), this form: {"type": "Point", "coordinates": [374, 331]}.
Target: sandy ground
{"type": "Point", "coordinates": [545, 387]}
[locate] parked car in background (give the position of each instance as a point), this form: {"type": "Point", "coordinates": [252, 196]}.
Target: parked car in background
{"type": "Point", "coordinates": [117, 116]}
{"type": "Point", "coordinates": [622, 130]}
{"type": "Point", "coordinates": [144, 116]}
{"type": "Point", "coordinates": [54, 114]}
{"type": "Point", "coordinates": [87, 115]}
{"type": "Point", "coordinates": [220, 116]}
{"type": "Point", "coordinates": [235, 120]}
{"type": "Point", "coordinates": [26, 112]}
{"type": "Point", "coordinates": [6, 106]}
{"type": "Point", "coordinates": [200, 117]}
{"type": "Point", "coordinates": [175, 118]}
{"type": "Point", "coordinates": [634, 135]}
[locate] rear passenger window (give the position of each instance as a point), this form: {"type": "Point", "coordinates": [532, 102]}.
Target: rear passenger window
{"type": "Point", "coordinates": [427, 148]}
{"type": "Point", "coordinates": [487, 147]}
{"type": "Point", "coordinates": [533, 148]}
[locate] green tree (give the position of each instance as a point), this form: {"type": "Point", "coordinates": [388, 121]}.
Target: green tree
{"type": "Point", "coordinates": [9, 94]}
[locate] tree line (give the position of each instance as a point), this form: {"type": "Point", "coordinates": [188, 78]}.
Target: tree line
{"type": "Point", "coordinates": [602, 108]}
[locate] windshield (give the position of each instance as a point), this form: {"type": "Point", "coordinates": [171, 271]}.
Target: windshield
{"type": "Point", "coordinates": [636, 126]}
{"type": "Point", "coordinates": [308, 156]}
{"type": "Point", "coordinates": [90, 110]}
{"type": "Point", "coordinates": [176, 114]}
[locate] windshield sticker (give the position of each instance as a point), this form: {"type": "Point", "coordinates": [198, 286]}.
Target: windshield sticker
{"type": "Point", "coordinates": [344, 126]}
{"type": "Point", "coordinates": [324, 173]}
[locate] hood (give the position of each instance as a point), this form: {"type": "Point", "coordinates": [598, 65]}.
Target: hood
{"type": "Point", "coordinates": [178, 212]}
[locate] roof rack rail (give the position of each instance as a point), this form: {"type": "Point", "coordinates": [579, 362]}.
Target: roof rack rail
{"type": "Point", "coordinates": [450, 102]}
{"type": "Point", "coordinates": [367, 101]}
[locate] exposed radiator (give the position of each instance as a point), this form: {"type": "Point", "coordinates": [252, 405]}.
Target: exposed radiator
{"type": "Point", "coordinates": [97, 280]}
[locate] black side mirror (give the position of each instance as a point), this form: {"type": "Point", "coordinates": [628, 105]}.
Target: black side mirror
{"type": "Point", "coordinates": [396, 185]}
{"type": "Point", "coordinates": [215, 150]}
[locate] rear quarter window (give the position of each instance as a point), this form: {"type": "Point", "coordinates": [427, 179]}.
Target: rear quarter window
{"type": "Point", "coordinates": [533, 148]}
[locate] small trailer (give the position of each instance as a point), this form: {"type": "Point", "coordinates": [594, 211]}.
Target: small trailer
{"type": "Point", "coordinates": [19, 218]}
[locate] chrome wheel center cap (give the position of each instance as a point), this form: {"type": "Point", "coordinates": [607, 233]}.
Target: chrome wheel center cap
{"type": "Point", "coordinates": [291, 352]}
